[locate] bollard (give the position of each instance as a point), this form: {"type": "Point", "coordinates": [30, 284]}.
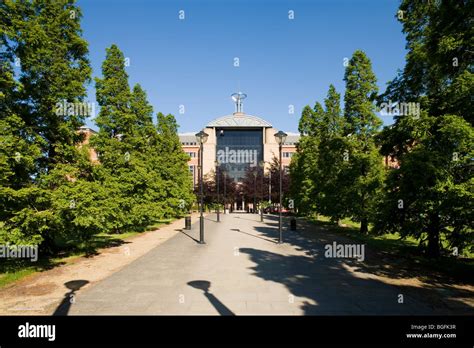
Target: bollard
{"type": "Point", "coordinates": [293, 224]}
{"type": "Point", "coordinates": [187, 223]}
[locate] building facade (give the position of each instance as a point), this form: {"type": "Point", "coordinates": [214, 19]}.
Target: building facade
{"type": "Point", "coordinates": [237, 142]}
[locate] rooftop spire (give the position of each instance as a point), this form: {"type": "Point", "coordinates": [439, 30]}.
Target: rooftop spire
{"type": "Point", "coordinates": [237, 98]}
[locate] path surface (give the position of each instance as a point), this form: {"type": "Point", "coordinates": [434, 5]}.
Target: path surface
{"type": "Point", "coordinates": [242, 270]}
{"type": "Point", "coordinates": [42, 292]}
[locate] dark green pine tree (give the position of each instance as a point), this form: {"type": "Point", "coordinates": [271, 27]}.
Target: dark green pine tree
{"type": "Point", "coordinates": [54, 68]}
{"type": "Point", "coordinates": [142, 165]}
{"type": "Point", "coordinates": [303, 164]}
{"type": "Point", "coordinates": [20, 149]}
{"type": "Point", "coordinates": [173, 167]}
{"type": "Point", "coordinates": [121, 163]}
{"type": "Point", "coordinates": [44, 40]}
{"type": "Point", "coordinates": [430, 196]}
{"type": "Point", "coordinates": [115, 120]}
{"type": "Point", "coordinates": [362, 175]}
{"type": "Point", "coordinates": [332, 159]}
{"type": "Point", "coordinates": [361, 91]}
{"type": "Point", "coordinates": [307, 121]}
{"type": "Point", "coordinates": [145, 131]}
{"type": "Point", "coordinates": [333, 122]}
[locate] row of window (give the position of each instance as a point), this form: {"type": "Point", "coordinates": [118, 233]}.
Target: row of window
{"type": "Point", "coordinates": [242, 141]}
{"type": "Point", "coordinates": [192, 170]}
{"type": "Point", "coordinates": [284, 154]}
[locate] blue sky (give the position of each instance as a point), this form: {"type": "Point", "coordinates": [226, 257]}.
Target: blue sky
{"type": "Point", "coordinates": [283, 62]}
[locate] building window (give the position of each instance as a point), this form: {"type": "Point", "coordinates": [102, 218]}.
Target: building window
{"type": "Point", "coordinates": [192, 170]}
{"type": "Point", "coordinates": [191, 154]}
{"type": "Point", "coordinates": [238, 150]}
{"type": "Point", "coordinates": [287, 154]}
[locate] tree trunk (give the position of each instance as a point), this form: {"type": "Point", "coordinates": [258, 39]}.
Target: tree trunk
{"type": "Point", "coordinates": [433, 236]}
{"type": "Point", "coordinates": [364, 226]}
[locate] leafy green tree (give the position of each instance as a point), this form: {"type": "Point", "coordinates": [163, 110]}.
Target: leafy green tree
{"type": "Point", "coordinates": [173, 165]}
{"type": "Point", "coordinates": [303, 170]}
{"type": "Point", "coordinates": [54, 69]}
{"type": "Point", "coordinates": [275, 182]}
{"type": "Point", "coordinates": [438, 71]}
{"type": "Point", "coordinates": [333, 122]}
{"type": "Point", "coordinates": [363, 174]}
{"type": "Point", "coordinates": [20, 148]}
{"type": "Point", "coordinates": [119, 144]}
{"type": "Point", "coordinates": [332, 159]}
{"type": "Point", "coordinates": [142, 163]}
{"type": "Point", "coordinates": [432, 192]}
{"type": "Point", "coordinates": [43, 39]}
{"type": "Point", "coordinates": [429, 195]}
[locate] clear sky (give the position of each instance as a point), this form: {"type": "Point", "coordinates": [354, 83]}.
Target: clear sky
{"type": "Point", "coordinates": [283, 62]}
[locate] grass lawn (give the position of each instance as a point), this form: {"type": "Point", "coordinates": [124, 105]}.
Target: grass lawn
{"type": "Point", "coordinates": [461, 268]}
{"type": "Point", "coordinates": [12, 270]}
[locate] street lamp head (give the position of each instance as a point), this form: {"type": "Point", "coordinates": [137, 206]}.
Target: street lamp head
{"type": "Point", "coordinates": [201, 137]}
{"type": "Point", "coordinates": [280, 137]}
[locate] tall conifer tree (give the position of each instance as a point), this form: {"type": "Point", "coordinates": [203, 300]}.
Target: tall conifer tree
{"type": "Point", "coordinates": [363, 174]}
{"type": "Point", "coordinates": [432, 192]}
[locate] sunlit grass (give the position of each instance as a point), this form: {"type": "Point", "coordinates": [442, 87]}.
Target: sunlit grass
{"type": "Point", "coordinates": [408, 247]}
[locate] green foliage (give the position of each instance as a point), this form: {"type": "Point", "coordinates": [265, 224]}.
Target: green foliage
{"type": "Point", "coordinates": [338, 169]}
{"type": "Point", "coordinates": [333, 152]}
{"type": "Point", "coordinates": [303, 163]}
{"type": "Point", "coordinates": [361, 90]}
{"type": "Point", "coordinates": [38, 143]}
{"type": "Point", "coordinates": [142, 164]}
{"type": "Point", "coordinates": [350, 182]}
{"type": "Point", "coordinates": [432, 191]}
{"type": "Point", "coordinates": [438, 70]}
{"type": "Point", "coordinates": [51, 194]}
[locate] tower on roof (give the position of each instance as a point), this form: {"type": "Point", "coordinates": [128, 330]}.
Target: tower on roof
{"type": "Point", "coordinates": [237, 98]}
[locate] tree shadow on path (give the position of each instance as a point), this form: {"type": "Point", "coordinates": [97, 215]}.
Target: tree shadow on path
{"type": "Point", "coordinates": [330, 285]}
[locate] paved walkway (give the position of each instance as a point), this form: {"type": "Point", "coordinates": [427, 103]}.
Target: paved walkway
{"type": "Point", "coordinates": [242, 270]}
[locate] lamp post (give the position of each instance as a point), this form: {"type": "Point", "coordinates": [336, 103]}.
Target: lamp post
{"type": "Point", "coordinates": [201, 138]}
{"type": "Point", "coordinates": [217, 183]}
{"type": "Point", "coordinates": [254, 190]}
{"type": "Point", "coordinates": [270, 187]}
{"type": "Point", "coordinates": [280, 139]}
{"type": "Point", "coordinates": [225, 187]}
{"type": "Point", "coordinates": [242, 199]}
{"type": "Point", "coordinates": [261, 164]}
